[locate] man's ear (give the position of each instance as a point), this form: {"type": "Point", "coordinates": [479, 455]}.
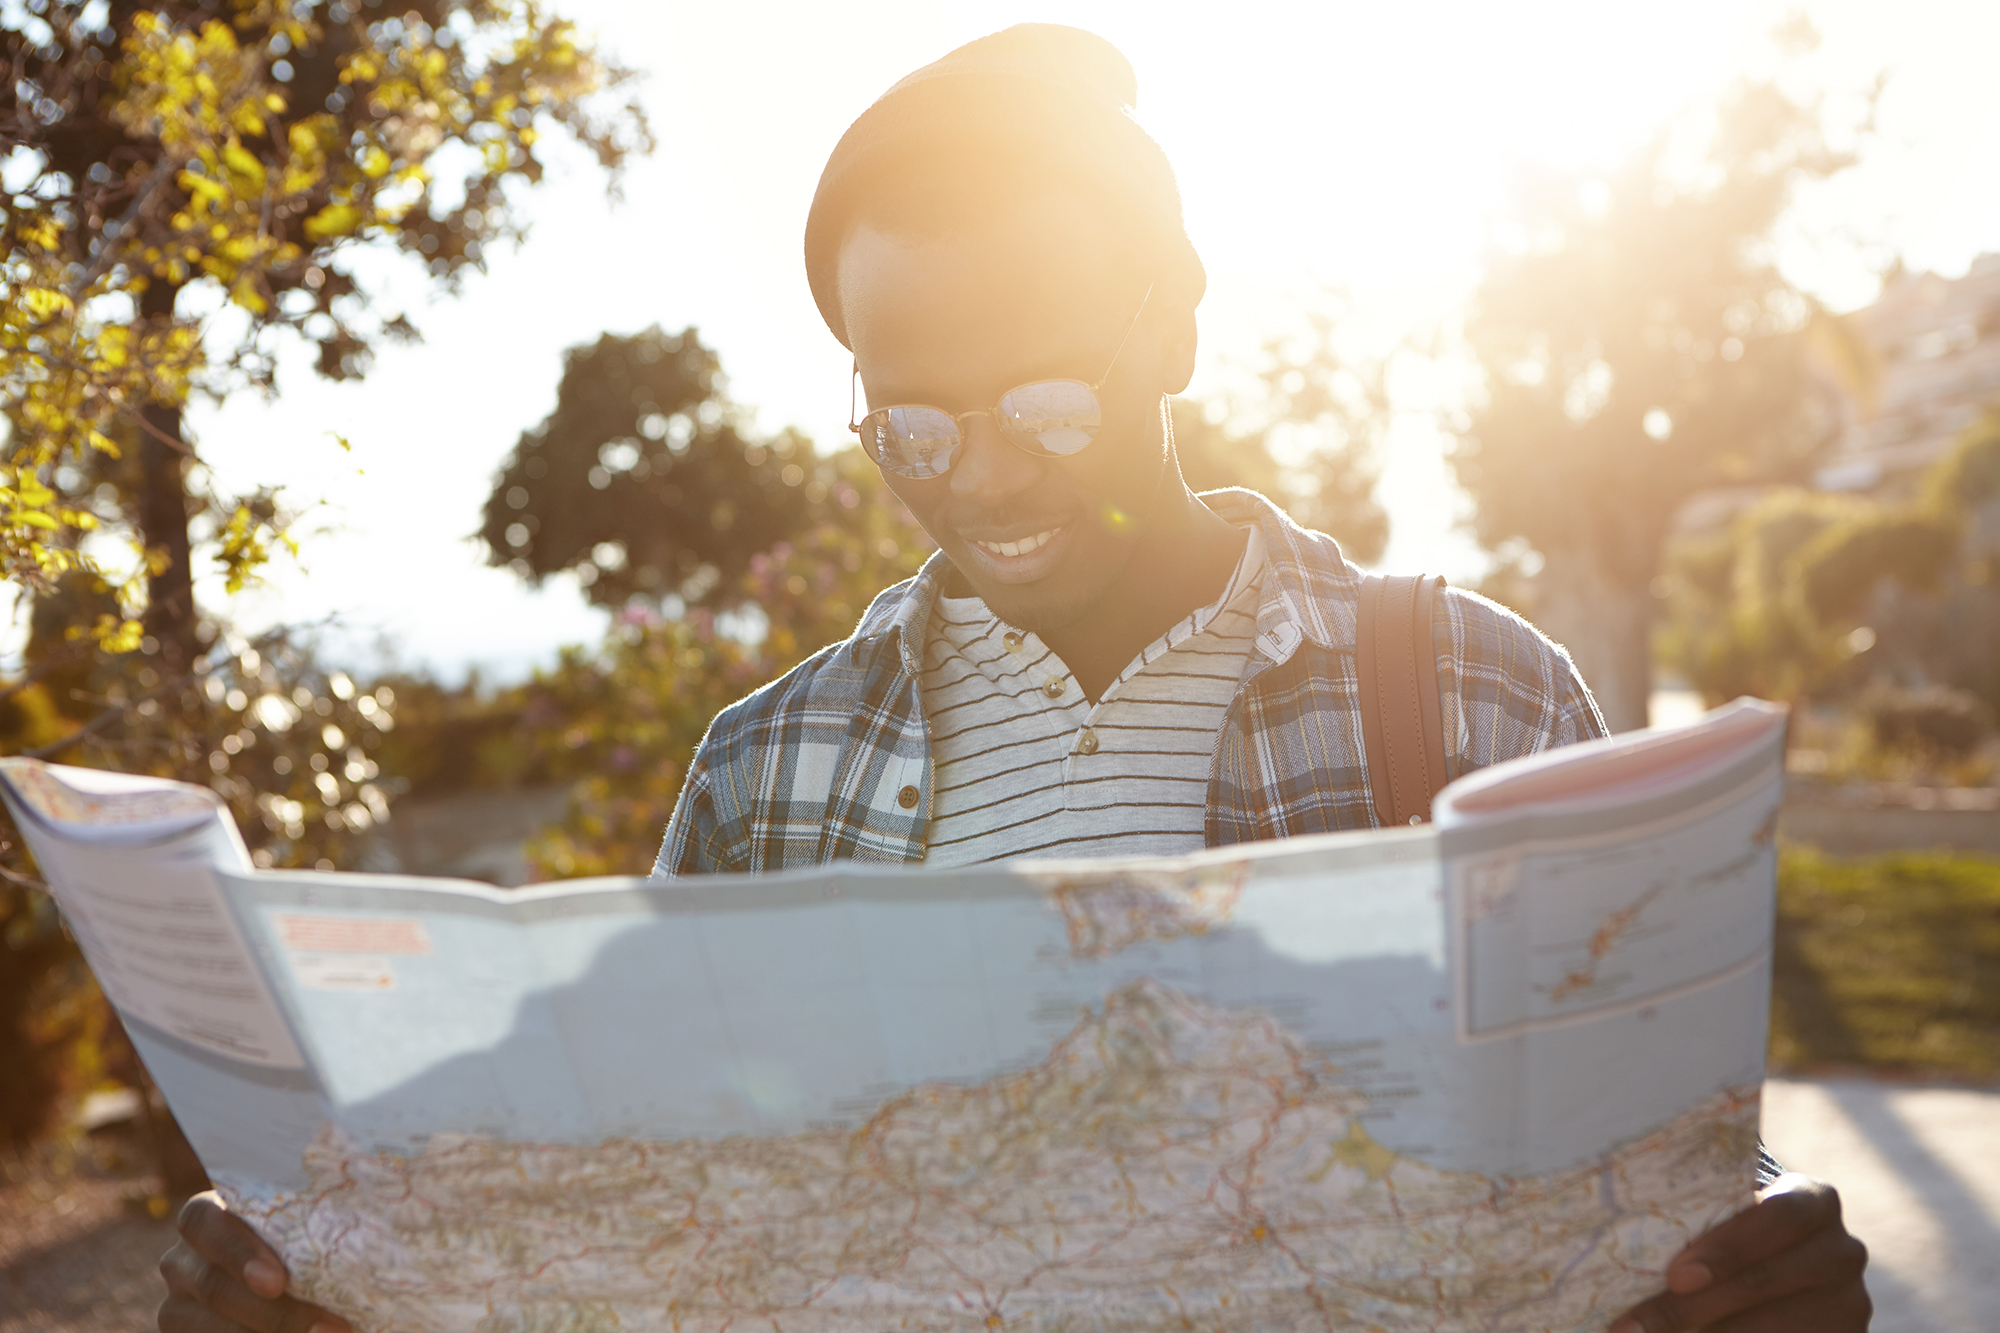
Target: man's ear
{"type": "Point", "coordinates": [1177, 345]}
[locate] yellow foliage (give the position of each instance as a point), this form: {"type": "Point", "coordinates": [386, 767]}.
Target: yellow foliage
{"type": "Point", "coordinates": [112, 346]}
{"type": "Point", "coordinates": [333, 220]}
{"type": "Point", "coordinates": [29, 488]}
{"type": "Point", "coordinates": [212, 201]}
{"type": "Point", "coordinates": [117, 636]}
{"type": "Point", "coordinates": [41, 304]}
{"type": "Point", "coordinates": [245, 546]}
{"type": "Point", "coordinates": [237, 249]}
{"type": "Point", "coordinates": [203, 189]}
{"type": "Point", "coordinates": [243, 164]}
{"type": "Point", "coordinates": [245, 294]}
{"type": "Point", "coordinates": [45, 234]}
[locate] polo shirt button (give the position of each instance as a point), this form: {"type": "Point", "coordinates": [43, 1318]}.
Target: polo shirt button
{"type": "Point", "coordinates": [1086, 741]}
{"type": "Point", "coordinates": [908, 798]}
{"type": "Point", "coordinates": [1053, 689]}
{"type": "Point", "coordinates": [1012, 640]}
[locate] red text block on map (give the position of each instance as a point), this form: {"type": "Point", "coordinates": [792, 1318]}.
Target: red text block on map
{"type": "Point", "coordinates": [351, 934]}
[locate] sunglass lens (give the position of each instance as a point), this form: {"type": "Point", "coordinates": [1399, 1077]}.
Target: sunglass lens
{"type": "Point", "coordinates": [913, 442]}
{"type": "Point", "coordinates": [1056, 417]}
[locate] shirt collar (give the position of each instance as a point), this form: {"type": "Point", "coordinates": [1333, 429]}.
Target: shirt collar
{"type": "Point", "coordinates": [902, 612]}
{"type": "Point", "coordinates": [1309, 590]}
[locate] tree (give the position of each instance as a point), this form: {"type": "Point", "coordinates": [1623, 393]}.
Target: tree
{"type": "Point", "coordinates": [1307, 431]}
{"type": "Point", "coordinates": [190, 181]}
{"type": "Point", "coordinates": [1817, 595]}
{"type": "Point", "coordinates": [645, 480]}
{"type": "Point", "coordinates": [1739, 620]}
{"type": "Point", "coordinates": [195, 156]}
{"type": "Point", "coordinates": [1639, 344]}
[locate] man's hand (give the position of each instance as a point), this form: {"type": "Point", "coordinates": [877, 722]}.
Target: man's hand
{"type": "Point", "coordinates": [222, 1279]}
{"type": "Point", "coordinates": [1784, 1263]}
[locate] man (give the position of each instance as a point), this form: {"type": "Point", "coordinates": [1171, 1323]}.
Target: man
{"type": "Point", "coordinates": [1097, 660]}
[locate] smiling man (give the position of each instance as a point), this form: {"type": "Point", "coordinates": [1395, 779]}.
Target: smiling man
{"type": "Point", "coordinates": [1097, 661]}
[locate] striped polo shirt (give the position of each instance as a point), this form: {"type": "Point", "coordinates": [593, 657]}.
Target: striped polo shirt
{"type": "Point", "coordinates": [1026, 766]}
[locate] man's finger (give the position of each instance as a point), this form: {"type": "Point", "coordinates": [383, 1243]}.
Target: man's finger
{"type": "Point", "coordinates": [1827, 1262]}
{"type": "Point", "coordinates": [1837, 1310]}
{"type": "Point", "coordinates": [203, 1297]}
{"type": "Point", "coordinates": [225, 1239]}
{"type": "Point", "coordinates": [1787, 1211]}
{"type": "Point", "coordinates": [184, 1314]}
{"type": "Point", "coordinates": [207, 1290]}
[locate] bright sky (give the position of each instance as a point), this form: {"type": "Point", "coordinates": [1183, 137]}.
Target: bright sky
{"type": "Point", "coordinates": [1357, 144]}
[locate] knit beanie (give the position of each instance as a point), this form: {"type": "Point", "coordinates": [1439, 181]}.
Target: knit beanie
{"type": "Point", "coordinates": [1038, 102]}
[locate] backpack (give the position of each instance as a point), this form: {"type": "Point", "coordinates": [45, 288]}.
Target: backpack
{"type": "Point", "coordinates": [1402, 722]}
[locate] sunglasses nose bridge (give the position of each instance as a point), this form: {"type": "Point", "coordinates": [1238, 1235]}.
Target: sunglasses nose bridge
{"type": "Point", "coordinates": [988, 464]}
{"type": "Point", "coordinates": [993, 419]}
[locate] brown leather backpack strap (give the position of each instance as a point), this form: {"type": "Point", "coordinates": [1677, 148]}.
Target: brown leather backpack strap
{"type": "Point", "coordinates": [1430, 708]}
{"type": "Point", "coordinates": [1368, 681]}
{"type": "Point", "coordinates": [1402, 723]}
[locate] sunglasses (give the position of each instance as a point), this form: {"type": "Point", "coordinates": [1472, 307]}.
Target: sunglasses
{"type": "Point", "coordinates": [1046, 418]}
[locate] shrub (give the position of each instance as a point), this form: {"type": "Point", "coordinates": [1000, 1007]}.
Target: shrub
{"type": "Point", "coordinates": [1936, 722]}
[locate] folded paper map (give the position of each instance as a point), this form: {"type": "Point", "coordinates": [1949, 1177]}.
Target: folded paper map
{"type": "Point", "coordinates": [1485, 1074]}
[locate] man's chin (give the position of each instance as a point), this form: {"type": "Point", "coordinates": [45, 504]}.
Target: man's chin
{"type": "Point", "coordinates": [1038, 609]}
{"type": "Point", "coordinates": [1061, 597]}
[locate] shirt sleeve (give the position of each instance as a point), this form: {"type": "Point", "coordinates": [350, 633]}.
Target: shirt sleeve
{"type": "Point", "coordinates": [693, 843]}
{"type": "Point", "coordinates": [1573, 714]}
{"type": "Point", "coordinates": [1768, 1167]}
{"type": "Point", "coordinates": [1505, 688]}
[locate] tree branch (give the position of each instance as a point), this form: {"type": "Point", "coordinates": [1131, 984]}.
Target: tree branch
{"type": "Point", "coordinates": [140, 201]}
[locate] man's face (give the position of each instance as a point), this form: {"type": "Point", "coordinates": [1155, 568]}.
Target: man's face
{"type": "Point", "coordinates": [956, 322]}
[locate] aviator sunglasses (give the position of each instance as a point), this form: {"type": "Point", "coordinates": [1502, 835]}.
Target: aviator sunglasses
{"type": "Point", "coordinates": [1046, 418]}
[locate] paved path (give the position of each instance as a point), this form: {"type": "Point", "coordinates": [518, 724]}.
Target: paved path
{"type": "Point", "coordinates": [1918, 1170]}
{"type": "Point", "coordinates": [74, 1257]}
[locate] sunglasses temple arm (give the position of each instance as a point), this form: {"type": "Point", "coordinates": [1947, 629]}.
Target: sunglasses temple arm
{"type": "Point", "coordinates": [854, 398]}
{"type": "Point", "coordinates": [1136, 314]}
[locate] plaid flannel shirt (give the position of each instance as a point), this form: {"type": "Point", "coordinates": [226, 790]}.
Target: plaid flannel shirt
{"type": "Point", "coordinates": [832, 761]}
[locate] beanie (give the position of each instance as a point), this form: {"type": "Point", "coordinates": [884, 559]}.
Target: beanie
{"type": "Point", "coordinates": [1035, 98]}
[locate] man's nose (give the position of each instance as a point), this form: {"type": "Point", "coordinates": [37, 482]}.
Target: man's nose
{"type": "Point", "coordinates": [988, 470]}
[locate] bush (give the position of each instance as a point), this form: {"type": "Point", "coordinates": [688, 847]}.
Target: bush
{"type": "Point", "coordinates": [290, 745]}
{"type": "Point", "coordinates": [1937, 722]}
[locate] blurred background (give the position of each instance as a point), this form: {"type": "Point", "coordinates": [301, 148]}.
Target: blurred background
{"type": "Point", "coordinates": [418, 426]}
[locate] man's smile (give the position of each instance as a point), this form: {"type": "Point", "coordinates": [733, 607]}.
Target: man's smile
{"type": "Point", "coordinates": [1023, 546]}
{"type": "Point", "coordinates": [1014, 554]}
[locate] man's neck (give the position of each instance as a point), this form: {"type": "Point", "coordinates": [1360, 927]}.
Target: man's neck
{"type": "Point", "coordinates": [1180, 563]}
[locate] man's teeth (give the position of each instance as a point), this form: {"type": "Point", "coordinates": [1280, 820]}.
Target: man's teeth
{"type": "Point", "coordinates": [1022, 547]}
